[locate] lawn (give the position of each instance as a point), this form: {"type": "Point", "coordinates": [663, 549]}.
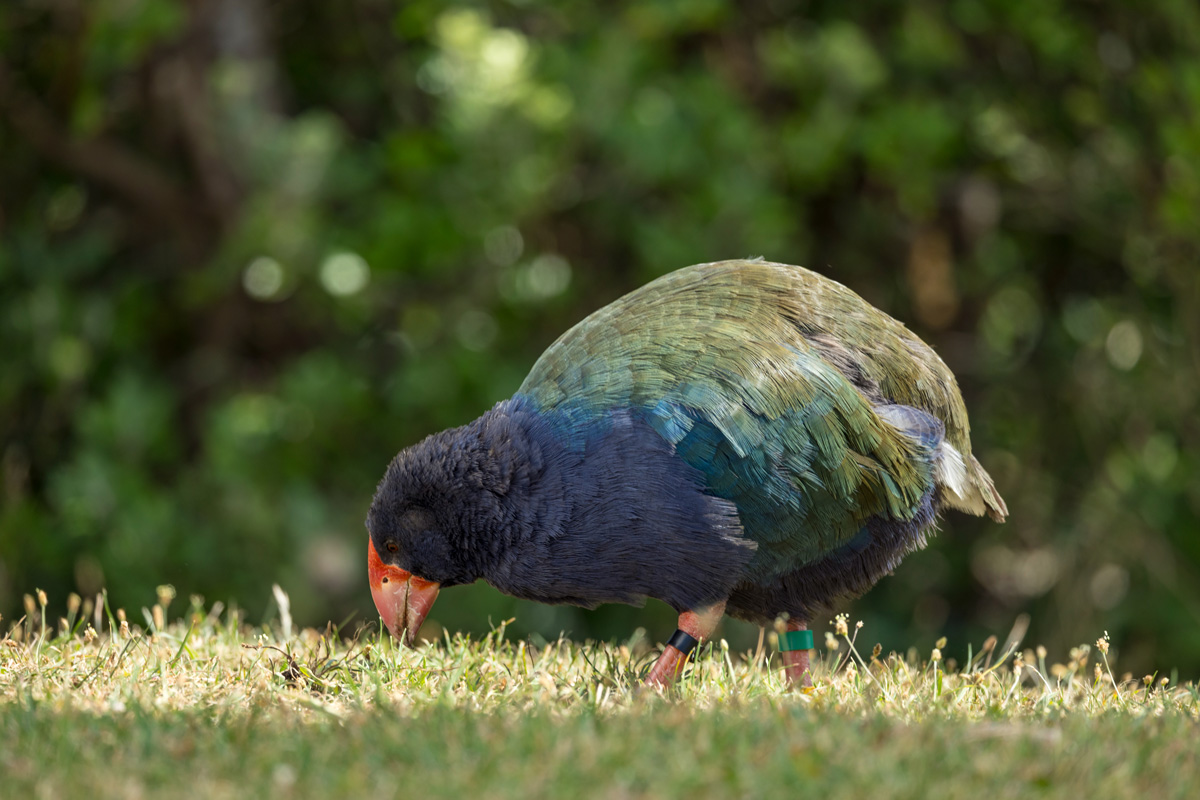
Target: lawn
{"type": "Point", "coordinates": [209, 707]}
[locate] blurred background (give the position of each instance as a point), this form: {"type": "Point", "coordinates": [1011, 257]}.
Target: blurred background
{"type": "Point", "coordinates": [250, 249]}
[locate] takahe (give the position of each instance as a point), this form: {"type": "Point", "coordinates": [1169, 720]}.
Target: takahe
{"type": "Point", "coordinates": [743, 438]}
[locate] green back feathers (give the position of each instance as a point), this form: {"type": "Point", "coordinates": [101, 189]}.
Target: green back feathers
{"type": "Point", "coordinates": [750, 316]}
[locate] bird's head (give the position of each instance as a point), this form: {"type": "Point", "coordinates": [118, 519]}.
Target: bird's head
{"type": "Point", "coordinates": [444, 513]}
{"type": "Point", "coordinates": [420, 526]}
{"type": "Point", "coordinates": [409, 554]}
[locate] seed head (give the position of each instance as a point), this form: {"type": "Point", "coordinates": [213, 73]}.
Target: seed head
{"type": "Point", "coordinates": [73, 603]}
{"type": "Point", "coordinates": [876, 650]}
{"type": "Point", "coordinates": [1102, 643]}
{"type": "Point", "coordinates": [1098, 672]}
{"type": "Point", "coordinates": [940, 643]}
{"type": "Point", "coordinates": [42, 598]}
{"type": "Point", "coordinates": [830, 642]}
{"type": "Point", "coordinates": [166, 593]}
{"type": "Point", "coordinates": [839, 625]}
{"type": "Point", "coordinates": [936, 655]}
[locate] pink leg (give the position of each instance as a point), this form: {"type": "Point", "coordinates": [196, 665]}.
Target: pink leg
{"type": "Point", "coordinates": [795, 662]}
{"type": "Point", "coordinates": [697, 624]}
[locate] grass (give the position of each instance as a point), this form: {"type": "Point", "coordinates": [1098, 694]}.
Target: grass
{"type": "Point", "coordinates": [207, 707]}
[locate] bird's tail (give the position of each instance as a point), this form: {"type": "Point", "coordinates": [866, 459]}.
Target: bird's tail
{"type": "Point", "coordinates": [996, 509]}
{"type": "Point", "coordinates": [967, 486]}
{"type": "Point", "coordinates": [975, 491]}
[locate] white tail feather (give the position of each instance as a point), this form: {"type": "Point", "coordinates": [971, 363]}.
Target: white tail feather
{"type": "Point", "coordinates": [950, 471]}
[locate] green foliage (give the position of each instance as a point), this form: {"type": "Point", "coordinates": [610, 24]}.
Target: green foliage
{"type": "Point", "coordinates": [249, 250]}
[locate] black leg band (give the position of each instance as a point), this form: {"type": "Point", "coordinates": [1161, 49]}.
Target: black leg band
{"type": "Point", "coordinates": [683, 642]}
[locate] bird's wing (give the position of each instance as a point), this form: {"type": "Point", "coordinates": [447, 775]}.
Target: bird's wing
{"type": "Point", "coordinates": [756, 374]}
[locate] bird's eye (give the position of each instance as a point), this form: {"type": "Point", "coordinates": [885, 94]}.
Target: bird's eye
{"type": "Point", "coordinates": [392, 547]}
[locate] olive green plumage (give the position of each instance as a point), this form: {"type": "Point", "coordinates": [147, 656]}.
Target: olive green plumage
{"type": "Point", "coordinates": [782, 387]}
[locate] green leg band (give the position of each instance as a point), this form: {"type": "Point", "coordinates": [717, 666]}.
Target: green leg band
{"type": "Point", "coordinates": [795, 640]}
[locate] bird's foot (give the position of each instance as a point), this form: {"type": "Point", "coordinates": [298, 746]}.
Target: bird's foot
{"type": "Point", "coordinates": [694, 626]}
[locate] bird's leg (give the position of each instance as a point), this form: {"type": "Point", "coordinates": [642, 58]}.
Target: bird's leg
{"type": "Point", "coordinates": [795, 653]}
{"type": "Point", "coordinates": [695, 626]}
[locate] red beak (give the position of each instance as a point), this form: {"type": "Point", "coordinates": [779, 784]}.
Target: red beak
{"type": "Point", "coordinates": [402, 598]}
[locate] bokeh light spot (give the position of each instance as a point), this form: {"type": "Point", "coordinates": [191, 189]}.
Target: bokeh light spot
{"type": "Point", "coordinates": [344, 274]}
{"type": "Point", "coordinates": [476, 329]}
{"type": "Point", "coordinates": [549, 105]}
{"type": "Point", "coordinates": [1159, 456]}
{"type": "Point", "coordinates": [1016, 573]}
{"type": "Point", "coordinates": [263, 278]}
{"type": "Point", "coordinates": [548, 276]}
{"type": "Point", "coordinates": [1124, 345]}
{"type": "Point", "coordinates": [504, 50]}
